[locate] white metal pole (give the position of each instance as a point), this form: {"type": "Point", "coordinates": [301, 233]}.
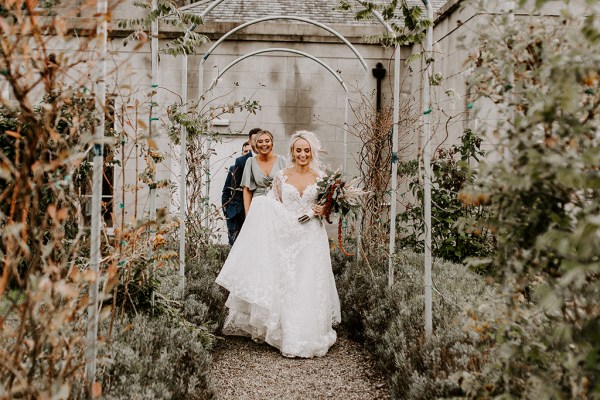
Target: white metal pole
{"type": "Point", "coordinates": [346, 125]}
{"type": "Point", "coordinates": [393, 194]}
{"type": "Point", "coordinates": [207, 177]}
{"type": "Point", "coordinates": [154, 98]}
{"type": "Point", "coordinates": [100, 90]}
{"type": "Point", "coordinates": [207, 144]}
{"type": "Point", "coordinates": [200, 96]}
{"type": "Point", "coordinates": [427, 173]}
{"type": "Point", "coordinates": [183, 172]}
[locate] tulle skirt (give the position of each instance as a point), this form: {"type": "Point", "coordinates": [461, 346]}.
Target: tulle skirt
{"type": "Point", "coordinates": [282, 289]}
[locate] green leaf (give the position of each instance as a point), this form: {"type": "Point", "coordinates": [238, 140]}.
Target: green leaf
{"type": "Point", "coordinates": [413, 57]}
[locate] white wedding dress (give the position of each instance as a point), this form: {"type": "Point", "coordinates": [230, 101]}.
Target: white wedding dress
{"type": "Point", "coordinates": [278, 273]}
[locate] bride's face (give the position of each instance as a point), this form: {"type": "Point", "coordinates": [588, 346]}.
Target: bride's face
{"type": "Point", "coordinates": [302, 152]}
{"type": "Point", "coordinates": [264, 144]}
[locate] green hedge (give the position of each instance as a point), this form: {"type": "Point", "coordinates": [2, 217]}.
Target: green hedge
{"type": "Point", "coordinates": [390, 321]}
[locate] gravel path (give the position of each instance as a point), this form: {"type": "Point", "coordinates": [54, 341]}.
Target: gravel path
{"type": "Point", "coordinates": [244, 370]}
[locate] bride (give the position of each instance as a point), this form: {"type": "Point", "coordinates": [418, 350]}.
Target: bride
{"type": "Point", "coordinates": [278, 272]}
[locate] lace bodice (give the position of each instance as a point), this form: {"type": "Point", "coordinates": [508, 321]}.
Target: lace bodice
{"type": "Point", "coordinates": [294, 201]}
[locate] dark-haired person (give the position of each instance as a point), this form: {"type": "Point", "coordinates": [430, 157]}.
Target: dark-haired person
{"type": "Point", "coordinates": [232, 199]}
{"type": "Point", "coordinates": [246, 148]}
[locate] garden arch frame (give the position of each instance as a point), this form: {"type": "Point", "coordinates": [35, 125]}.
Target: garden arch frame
{"type": "Point", "coordinates": [281, 49]}
{"type": "Point", "coordinates": [183, 167]}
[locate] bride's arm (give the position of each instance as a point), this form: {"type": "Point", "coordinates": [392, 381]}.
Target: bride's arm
{"type": "Point", "coordinates": [276, 188]}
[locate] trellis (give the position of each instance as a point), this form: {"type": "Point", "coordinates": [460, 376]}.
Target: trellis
{"type": "Point", "coordinates": [99, 135]}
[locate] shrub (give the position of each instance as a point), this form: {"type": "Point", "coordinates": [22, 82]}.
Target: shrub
{"type": "Point", "coordinates": [42, 292]}
{"type": "Point", "coordinates": [391, 322]}
{"type": "Point", "coordinates": [143, 265]}
{"type": "Point", "coordinates": [204, 300]}
{"type": "Point", "coordinates": [532, 345]}
{"type": "Point", "coordinates": [156, 358]}
{"type": "Point", "coordinates": [452, 239]}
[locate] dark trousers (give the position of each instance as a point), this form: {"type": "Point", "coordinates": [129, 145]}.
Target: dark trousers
{"type": "Point", "coordinates": [234, 226]}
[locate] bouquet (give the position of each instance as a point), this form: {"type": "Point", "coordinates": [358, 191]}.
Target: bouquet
{"type": "Point", "coordinates": [338, 197]}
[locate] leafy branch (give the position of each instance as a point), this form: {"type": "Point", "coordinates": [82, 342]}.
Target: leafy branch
{"type": "Point", "coordinates": [406, 21]}
{"type": "Point", "coordinates": [168, 13]}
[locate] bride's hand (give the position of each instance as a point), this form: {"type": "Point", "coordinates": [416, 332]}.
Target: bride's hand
{"type": "Point", "coordinates": [318, 210]}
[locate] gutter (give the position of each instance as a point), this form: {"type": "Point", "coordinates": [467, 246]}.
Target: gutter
{"type": "Point", "coordinates": [446, 10]}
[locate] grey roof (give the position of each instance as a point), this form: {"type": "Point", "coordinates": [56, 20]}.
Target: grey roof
{"type": "Point", "coordinates": [323, 11]}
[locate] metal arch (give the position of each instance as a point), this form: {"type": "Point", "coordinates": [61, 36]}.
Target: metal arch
{"type": "Point", "coordinates": [293, 18]}
{"type": "Point", "coordinates": [306, 20]}
{"type": "Point", "coordinates": [383, 22]}
{"type": "Point", "coordinates": [301, 53]}
{"type": "Point", "coordinates": [278, 49]}
{"type": "Point", "coordinates": [201, 91]}
{"type": "Point", "coordinates": [202, 15]}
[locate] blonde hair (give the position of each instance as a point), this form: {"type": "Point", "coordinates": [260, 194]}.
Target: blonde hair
{"type": "Point", "coordinates": [263, 132]}
{"type": "Point", "coordinates": [315, 148]}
